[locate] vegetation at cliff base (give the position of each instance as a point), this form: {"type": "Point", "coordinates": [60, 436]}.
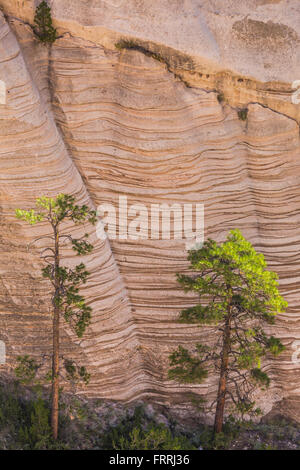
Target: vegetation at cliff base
{"type": "Point", "coordinates": [221, 97]}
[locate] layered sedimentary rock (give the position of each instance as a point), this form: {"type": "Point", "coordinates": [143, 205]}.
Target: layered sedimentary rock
{"type": "Point", "coordinates": [85, 118]}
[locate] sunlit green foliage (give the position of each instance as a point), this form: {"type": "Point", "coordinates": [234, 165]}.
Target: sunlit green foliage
{"type": "Point", "coordinates": [37, 434]}
{"type": "Point", "coordinates": [139, 432]}
{"type": "Point", "coordinates": [67, 301]}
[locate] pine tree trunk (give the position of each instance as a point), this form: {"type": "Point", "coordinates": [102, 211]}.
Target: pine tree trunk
{"type": "Point", "coordinates": [55, 356]}
{"type": "Point", "coordinates": [219, 416]}
{"type": "Point", "coordinates": [55, 372]}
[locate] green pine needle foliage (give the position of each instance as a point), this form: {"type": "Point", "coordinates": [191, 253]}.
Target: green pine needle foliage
{"type": "Point", "coordinates": [66, 282]}
{"type": "Point", "coordinates": [187, 368]}
{"type": "Point", "coordinates": [44, 29]}
{"type": "Point", "coordinates": [234, 288]}
{"type": "Point", "coordinates": [55, 211]}
{"type": "Point", "coordinates": [26, 369]}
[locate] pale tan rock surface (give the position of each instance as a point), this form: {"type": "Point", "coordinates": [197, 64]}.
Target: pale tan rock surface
{"type": "Point", "coordinates": [96, 122]}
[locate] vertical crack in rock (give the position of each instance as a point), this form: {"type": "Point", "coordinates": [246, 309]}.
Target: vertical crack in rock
{"type": "Point", "coordinates": [135, 130]}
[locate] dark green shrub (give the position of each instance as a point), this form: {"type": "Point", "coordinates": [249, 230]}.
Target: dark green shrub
{"type": "Point", "coordinates": [220, 441]}
{"type": "Point", "coordinates": [242, 114]}
{"type": "Point", "coordinates": [128, 44]}
{"type": "Point", "coordinates": [125, 44]}
{"type": "Point", "coordinates": [44, 29]}
{"type": "Point", "coordinates": [156, 438]}
{"type": "Point", "coordinates": [139, 432]}
{"type": "Point", "coordinates": [36, 433]}
{"type": "Point", "coordinates": [26, 369]}
{"type": "Point", "coordinates": [26, 423]}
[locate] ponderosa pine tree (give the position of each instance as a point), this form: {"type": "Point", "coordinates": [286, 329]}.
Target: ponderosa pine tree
{"type": "Point", "coordinates": [66, 299]}
{"type": "Point", "coordinates": [237, 296]}
{"type": "Point", "coordinates": [44, 29]}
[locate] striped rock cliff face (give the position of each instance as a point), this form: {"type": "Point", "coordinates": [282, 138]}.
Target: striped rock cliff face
{"type": "Point", "coordinates": [87, 119]}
